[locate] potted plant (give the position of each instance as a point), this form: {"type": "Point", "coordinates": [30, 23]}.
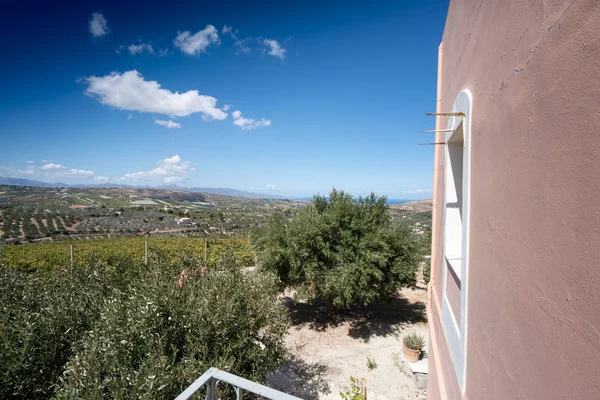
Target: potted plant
{"type": "Point", "coordinates": [412, 343]}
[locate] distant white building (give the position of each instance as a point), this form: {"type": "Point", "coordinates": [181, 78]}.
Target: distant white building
{"type": "Point", "coordinates": [185, 222]}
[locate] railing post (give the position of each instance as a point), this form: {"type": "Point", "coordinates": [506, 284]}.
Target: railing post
{"type": "Point", "coordinates": [146, 253]}
{"type": "Point", "coordinates": [205, 251]}
{"type": "Point", "coordinates": [239, 393]}
{"type": "Point", "coordinates": [72, 258]}
{"type": "Point", "coordinates": [211, 390]}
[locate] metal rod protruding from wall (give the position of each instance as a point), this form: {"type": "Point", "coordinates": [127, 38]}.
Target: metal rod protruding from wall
{"type": "Point", "coordinates": [437, 130]}
{"type": "Point", "coordinates": [454, 114]}
{"type": "Point", "coordinates": [430, 144]}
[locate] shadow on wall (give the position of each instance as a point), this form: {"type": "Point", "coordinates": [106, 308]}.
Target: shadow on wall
{"type": "Point", "coordinates": [381, 319]}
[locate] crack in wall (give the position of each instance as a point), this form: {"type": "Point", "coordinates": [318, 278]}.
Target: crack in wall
{"type": "Point", "coordinates": [470, 33]}
{"type": "Point", "coordinates": [521, 68]}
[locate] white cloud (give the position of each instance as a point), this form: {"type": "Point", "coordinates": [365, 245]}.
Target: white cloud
{"type": "Point", "coordinates": [130, 116]}
{"type": "Point", "coordinates": [134, 176]}
{"type": "Point", "coordinates": [140, 48]}
{"type": "Point", "coordinates": [15, 172]}
{"type": "Point", "coordinates": [51, 166]}
{"type": "Point", "coordinates": [226, 107]}
{"type": "Point", "coordinates": [163, 52]}
{"type": "Point", "coordinates": [30, 162]}
{"type": "Point", "coordinates": [248, 123]}
{"type": "Point", "coordinates": [270, 186]}
{"type": "Point", "coordinates": [46, 161]}
{"type": "Point", "coordinates": [275, 48]}
{"type": "Point", "coordinates": [229, 30]}
{"type": "Point", "coordinates": [173, 179]}
{"type": "Point", "coordinates": [168, 124]}
{"type": "Point", "coordinates": [129, 91]}
{"type": "Point", "coordinates": [416, 191]}
{"type": "Point", "coordinates": [251, 187]}
{"type": "Point", "coordinates": [80, 173]}
{"type": "Point", "coordinates": [50, 172]}
{"type": "Point", "coordinates": [198, 42]}
{"type": "Point", "coordinates": [98, 25]}
{"type": "Point", "coordinates": [243, 46]}
{"type": "Point", "coordinates": [120, 49]}
{"type": "Point", "coordinates": [102, 178]}
{"type": "Point", "coordinates": [169, 170]}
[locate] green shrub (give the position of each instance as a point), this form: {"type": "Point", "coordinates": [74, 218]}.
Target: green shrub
{"type": "Point", "coordinates": [339, 249]}
{"type": "Point", "coordinates": [371, 363]}
{"type": "Point", "coordinates": [427, 272]}
{"type": "Point", "coordinates": [426, 249]}
{"type": "Point", "coordinates": [42, 315]}
{"type": "Point", "coordinates": [356, 391]}
{"type": "Point", "coordinates": [106, 331]}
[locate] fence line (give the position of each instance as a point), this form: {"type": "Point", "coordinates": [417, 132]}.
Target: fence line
{"type": "Point", "coordinates": [62, 254]}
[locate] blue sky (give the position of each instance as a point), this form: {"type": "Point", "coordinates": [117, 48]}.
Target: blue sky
{"type": "Point", "coordinates": [292, 98]}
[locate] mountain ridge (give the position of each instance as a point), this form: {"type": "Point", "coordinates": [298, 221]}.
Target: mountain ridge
{"type": "Point", "coordinates": [220, 191]}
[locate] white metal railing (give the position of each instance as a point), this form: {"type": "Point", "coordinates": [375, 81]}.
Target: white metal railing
{"type": "Point", "coordinates": [213, 376]}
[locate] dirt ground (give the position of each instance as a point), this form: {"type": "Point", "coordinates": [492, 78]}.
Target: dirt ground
{"type": "Point", "coordinates": [328, 348]}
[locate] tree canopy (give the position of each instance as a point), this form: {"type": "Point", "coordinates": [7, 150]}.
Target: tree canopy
{"type": "Point", "coordinates": [340, 249]}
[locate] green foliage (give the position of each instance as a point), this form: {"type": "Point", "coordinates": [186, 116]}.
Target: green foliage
{"type": "Point", "coordinates": [371, 363]}
{"type": "Point", "coordinates": [339, 249]}
{"type": "Point", "coordinates": [427, 272]}
{"type": "Point", "coordinates": [42, 315]}
{"type": "Point", "coordinates": [414, 341]}
{"type": "Point", "coordinates": [57, 255]}
{"type": "Point", "coordinates": [356, 391]}
{"type": "Point", "coordinates": [104, 331]}
{"type": "Point", "coordinates": [426, 249]}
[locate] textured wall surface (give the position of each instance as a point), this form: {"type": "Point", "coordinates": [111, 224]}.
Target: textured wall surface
{"type": "Point", "coordinates": [534, 276]}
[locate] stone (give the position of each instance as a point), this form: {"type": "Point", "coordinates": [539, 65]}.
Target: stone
{"type": "Point", "coordinates": [421, 381]}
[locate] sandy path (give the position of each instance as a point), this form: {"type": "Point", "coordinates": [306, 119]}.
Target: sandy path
{"type": "Point", "coordinates": [328, 350]}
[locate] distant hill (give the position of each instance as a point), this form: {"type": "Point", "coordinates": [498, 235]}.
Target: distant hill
{"type": "Point", "coordinates": [219, 191]}
{"type": "Point", "coordinates": [414, 205]}
{"type": "Point", "coordinates": [29, 182]}
{"type": "Point", "coordinates": [234, 193]}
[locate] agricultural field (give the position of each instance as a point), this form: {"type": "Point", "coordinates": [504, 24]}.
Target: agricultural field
{"type": "Point", "coordinates": [34, 214]}
{"type": "Point", "coordinates": [31, 214]}
{"type": "Point", "coordinates": [415, 214]}
{"type": "Point", "coordinates": [57, 255]}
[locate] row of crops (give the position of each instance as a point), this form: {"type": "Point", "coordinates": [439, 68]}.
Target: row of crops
{"type": "Point", "coordinates": [114, 251]}
{"type": "Point", "coordinates": [35, 222]}
{"type": "Point", "coordinates": [29, 222]}
{"type": "Point", "coordinates": [129, 220]}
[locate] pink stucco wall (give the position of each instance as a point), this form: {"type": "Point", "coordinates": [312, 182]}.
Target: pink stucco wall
{"type": "Point", "coordinates": [533, 68]}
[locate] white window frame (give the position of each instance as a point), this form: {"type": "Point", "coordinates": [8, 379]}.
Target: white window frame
{"type": "Point", "coordinates": [456, 332]}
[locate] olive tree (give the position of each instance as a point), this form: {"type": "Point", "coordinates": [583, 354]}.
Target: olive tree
{"type": "Point", "coordinates": [340, 249]}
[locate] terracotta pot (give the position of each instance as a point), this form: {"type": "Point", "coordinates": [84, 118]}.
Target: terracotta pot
{"type": "Point", "coordinates": [411, 355]}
